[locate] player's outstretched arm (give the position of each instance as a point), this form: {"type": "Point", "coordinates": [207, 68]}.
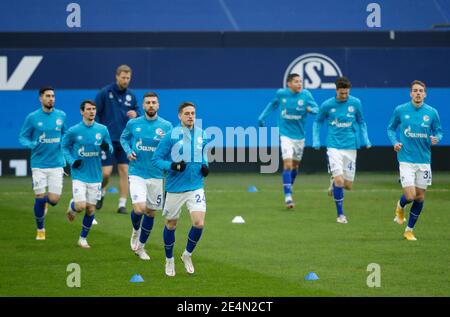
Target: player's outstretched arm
{"type": "Point", "coordinates": [26, 133]}
{"type": "Point", "coordinates": [317, 124]}
{"type": "Point", "coordinates": [392, 128]}
{"type": "Point", "coordinates": [204, 170]}
{"type": "Point", "coordinates": [66, 145]}
{"type": "Point", "coordinates": [271, 107]}
{"type": "Point", "coordinates": [436, 130]}
{"type": "Point", "coordinates": [363, 127]}
{"type": "Point", "coordinates": [316, 134]}
{"type": "Point", "coordinates": [125, 139]}
{"type": "Point", "coordinates": [312, 106]}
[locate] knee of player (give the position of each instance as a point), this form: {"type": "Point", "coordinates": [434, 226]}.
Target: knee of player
{"type": "Point", "coordinates": [338, 182]}
{"type": "Point", "coordinates": [80, 206]}
{"type": "Point", "coordinates": [419, 198]}
{"type": "Point", "coordinates": [171, 224]}
{"type": "Point", "coordinates": [139, 208]}
{"type": "Point", "coordinates": [150, 213]}
{"type": "Point", "coordinates": [53, 200]}
{"type": "Point", "coordinates": [348, 187]}
{"type": "Point", "coordinates": [198, 223]}
{"type": "Point", "coordinates": [90, 211]}
{"type": "Point", "coordinates": [411, 196]}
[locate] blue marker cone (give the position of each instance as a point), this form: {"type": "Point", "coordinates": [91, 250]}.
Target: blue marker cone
{"type": "Point", "coordinates": [113, 190]}
{"type": "Point", "coordinates": [311, 276]}
{"type": "Point", "coordinates": [252, 189]}
{"type": "Point", "coordinates": [137, 278]}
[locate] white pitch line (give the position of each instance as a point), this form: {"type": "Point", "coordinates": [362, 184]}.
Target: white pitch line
{"type": "Point", "coordinates": [443, 190]}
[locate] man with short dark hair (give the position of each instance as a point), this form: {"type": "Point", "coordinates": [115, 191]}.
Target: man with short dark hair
{"type": "Point", "coordinates": [116, 104]}
{"type": "Point", "coordinates": [139, 140]}
{"type": "Point", "coordinates": [182, 155]}
{"type": "Point", "coordinates": [345, 121]}
{"type": "Point", "coordinates": [420, 128]}
{"type": "Point", "coordinates": [42, 133]}
{"type": "Point", "coordinates": [82, 147]}
{"type": "Point", "coordinates": [295, 103]}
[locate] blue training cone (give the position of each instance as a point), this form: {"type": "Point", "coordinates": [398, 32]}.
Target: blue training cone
{"type": "Point", "coordinates": [311, 276]}
{"type": "Point", "coordinates": [113, 190]}
{"type": "Point", "coordinates": [252, 189]}
{"type": "Point", "coordinates": [137, 278]}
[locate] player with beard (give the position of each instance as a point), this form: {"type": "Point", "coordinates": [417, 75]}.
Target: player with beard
{"type": "Point", "coordinates": [42, 133]}
{"type": "Point", "coordinates": [139, 140]}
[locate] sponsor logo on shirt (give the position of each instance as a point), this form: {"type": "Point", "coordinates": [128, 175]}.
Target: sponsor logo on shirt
{"type": "Point", "coordinates": [144, 148]}
{"type": "Point", "coordinates": [83, 153]}
{"type": "Point", "coordinates": [414, 135]}
{"type": "Point", "coordinates": [284, 115]}
{"type": "Point", "coordinates": [338, 124]}
{"type": "Point", "coordinates": [43, 139]}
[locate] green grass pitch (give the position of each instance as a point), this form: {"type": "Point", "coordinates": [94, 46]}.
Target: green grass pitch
{"type": "Point", "coordinates": [269, 255]}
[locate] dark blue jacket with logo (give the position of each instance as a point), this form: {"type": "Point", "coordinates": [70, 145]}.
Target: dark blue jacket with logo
{"type": "Point", "coordinates": [112, 107]}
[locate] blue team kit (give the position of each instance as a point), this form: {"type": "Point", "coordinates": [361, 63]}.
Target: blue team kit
{"type": "Point", "coordinates": [416, 125]}
{"type": "Point", "coordinates": [347, 128]}
{"type": "Point", "coordinates": [182, 144]}
{"type": "Point", "coordinates": [293, 113]}
{"type": "Point", "coordinates": [142, 136]}
{"type": "Point", "coordinates": [42, 132]}
{"type": "Point", "coordinates": [83, 142]}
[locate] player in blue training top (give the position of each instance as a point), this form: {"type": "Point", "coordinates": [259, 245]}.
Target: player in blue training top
{"type": "Point", "coordinates": [116, 104]}
{"type": "Point", "coordinates": [182, 154]}
{"type": "Point", "coordinates": [419, 128]}
{"type": "Point", "coordinates": [139, 140]}
{"type": "Point", "coordinates": [295, 103]}
{"type": "Point", "coordinates": [345, 122]}
{"type": "Point", "coordinates": [42, 133]}
{"type": "Point", "coordinates": [82, 147]}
